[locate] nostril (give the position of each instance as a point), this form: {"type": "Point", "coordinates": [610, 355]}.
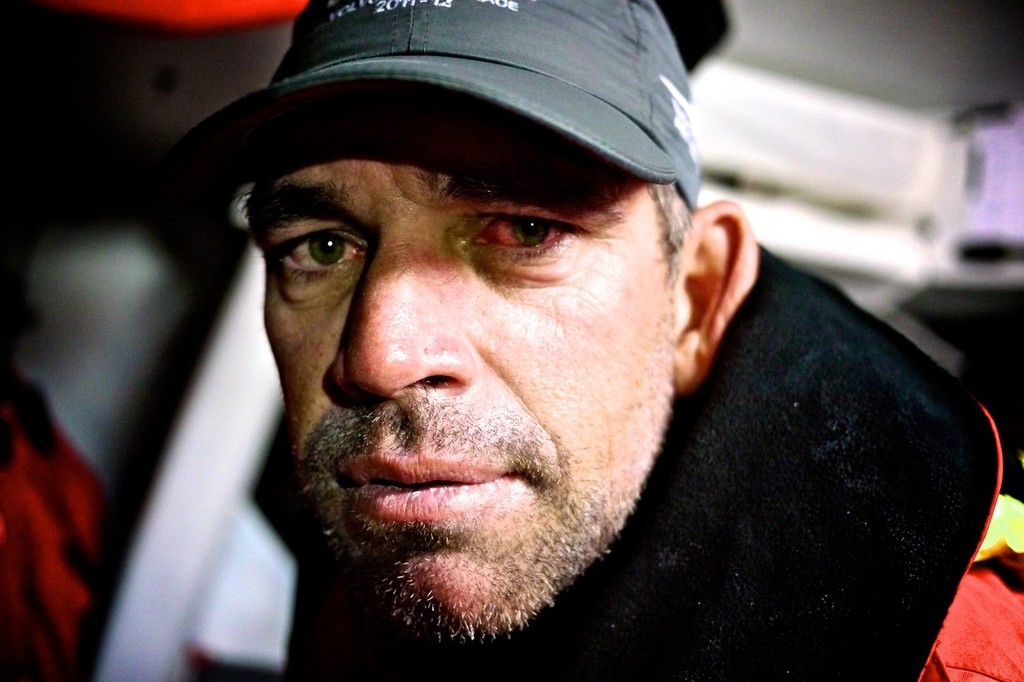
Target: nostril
{"type": "Point", "coordinates": [436, 381]}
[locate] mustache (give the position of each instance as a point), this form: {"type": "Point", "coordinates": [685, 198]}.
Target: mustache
{"type": "Point", "coordinates": [512, 439]}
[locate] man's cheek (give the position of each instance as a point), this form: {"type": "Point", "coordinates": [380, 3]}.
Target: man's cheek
{"type": "Point", "coordinates": [301, 375]}
{"type": "Point", "coordinates": [302, 372]}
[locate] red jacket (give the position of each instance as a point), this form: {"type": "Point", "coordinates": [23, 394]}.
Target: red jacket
{"type": "Point", "coordinates": [50, 511]}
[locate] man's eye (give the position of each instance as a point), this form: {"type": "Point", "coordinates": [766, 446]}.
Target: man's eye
{"type": "Point", "coordinates": [531, 231]}
{"type": "Point", "coordinates": [522, 232]}
{"type": "Point", "coordinates": [317, 251]}
{"type": "Point", "coordinates": [327, 248]}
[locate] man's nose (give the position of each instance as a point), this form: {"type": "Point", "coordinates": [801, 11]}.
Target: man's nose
{"type": "Point", "coordinates": [403, 330]}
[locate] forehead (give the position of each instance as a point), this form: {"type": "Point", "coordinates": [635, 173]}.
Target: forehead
{"type": "Point", "coordinates": [447, 136]}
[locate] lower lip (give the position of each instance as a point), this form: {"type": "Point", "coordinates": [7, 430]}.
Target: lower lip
{"type": "Point", "coordinates": [438, 503]}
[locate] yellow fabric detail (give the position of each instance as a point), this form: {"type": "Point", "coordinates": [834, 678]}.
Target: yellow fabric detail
{"type": "Point", "coordinates": [1006, 532]}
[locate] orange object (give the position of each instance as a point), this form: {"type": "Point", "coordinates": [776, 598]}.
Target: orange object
{"type": "Point", "coordinates": [184, 16]}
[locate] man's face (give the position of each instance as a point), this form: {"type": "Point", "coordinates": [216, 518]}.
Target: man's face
{"type": "Point", "coordinates": [477, 363]}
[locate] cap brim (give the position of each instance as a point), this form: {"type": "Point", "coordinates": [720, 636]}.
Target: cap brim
{"type": "Point", "coordinates": [212, 157]}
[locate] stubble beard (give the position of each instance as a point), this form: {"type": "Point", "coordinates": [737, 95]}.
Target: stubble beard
{"type": "Point", "coordinates": [456, 580]}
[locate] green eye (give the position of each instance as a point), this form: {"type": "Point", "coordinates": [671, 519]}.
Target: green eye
{"type": "Point", "coordinates": [531, 232]}
{"type": "Point", "coordinates": [326, 249]}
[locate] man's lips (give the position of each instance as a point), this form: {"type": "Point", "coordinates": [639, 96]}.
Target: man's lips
{"type": "Point", "coordinates": [414, 471]}
{"type": "Point", "coordinates": [411, 488]}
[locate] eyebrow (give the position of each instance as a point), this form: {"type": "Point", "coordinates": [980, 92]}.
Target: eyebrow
{"type": "Point", "coordinates": [549, 193]}
{"type": "Point", "coordinates": [272, 205]}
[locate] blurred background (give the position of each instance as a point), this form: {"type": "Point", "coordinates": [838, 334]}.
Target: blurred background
{"type": "Point", "coordinates": [877, 143]}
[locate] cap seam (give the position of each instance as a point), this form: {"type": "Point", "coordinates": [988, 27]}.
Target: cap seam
{"type": "Point", "coordinates": [425, 38]}
{"type": "Point", "coordinates": [393, 47]}
{"type": "Point", "coordinates": [412, 30]}
{"type": "Point", "coordinates": [639, 63]}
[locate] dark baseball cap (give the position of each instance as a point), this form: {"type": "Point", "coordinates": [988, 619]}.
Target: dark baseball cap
{"type": "Point", "coordinates": [605, 75]}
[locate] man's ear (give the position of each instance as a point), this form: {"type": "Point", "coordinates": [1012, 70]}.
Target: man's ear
{"type": "Point", "coordinates": [718, 266]}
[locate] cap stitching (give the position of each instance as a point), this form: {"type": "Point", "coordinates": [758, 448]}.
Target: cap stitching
{"type": "Point", "coordinates": [393, 47]}
{"type": "Point", "coordinates": [639, 63]}
{"type": "Point", "coordinates": [425, 38]}
{"type": "Point", "coordinates": [412, 29]}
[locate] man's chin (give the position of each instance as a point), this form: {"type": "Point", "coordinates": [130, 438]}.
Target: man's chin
{"type": "Point", "coordinates": [385, 543]}
{"type": "Point", "coordinates": [446, 596]}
